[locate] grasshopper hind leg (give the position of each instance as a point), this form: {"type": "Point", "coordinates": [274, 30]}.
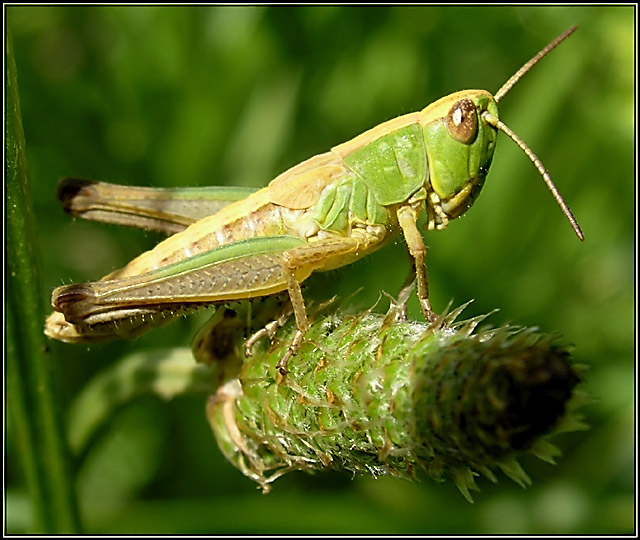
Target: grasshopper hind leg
{"type": "Point", "coordinates": [269, 329]}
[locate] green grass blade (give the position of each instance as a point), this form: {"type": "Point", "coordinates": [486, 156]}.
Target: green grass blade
{"type": "Point", "coordinates": [31, 397]}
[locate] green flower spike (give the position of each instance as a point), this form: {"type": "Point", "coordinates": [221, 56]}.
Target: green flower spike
{"type": "Point", "coordinates": [381, 395]}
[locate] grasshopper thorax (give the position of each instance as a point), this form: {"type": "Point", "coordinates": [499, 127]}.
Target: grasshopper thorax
{"type": "Point", "coordinates": [459, 146]}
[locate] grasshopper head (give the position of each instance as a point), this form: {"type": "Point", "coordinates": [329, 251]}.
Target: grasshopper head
{"type": "Point", "coordinates": [461, 130]}
{"type": "Point", "coordinates": [460, 149]}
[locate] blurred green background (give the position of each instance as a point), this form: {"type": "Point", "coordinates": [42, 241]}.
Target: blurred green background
{"type": "Point", "coordinates": [170, 96]}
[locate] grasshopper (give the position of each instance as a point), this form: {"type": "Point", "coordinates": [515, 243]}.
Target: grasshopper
{"type": "Point", "coordinates": [322, 214]}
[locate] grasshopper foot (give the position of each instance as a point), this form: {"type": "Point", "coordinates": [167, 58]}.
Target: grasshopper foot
{"type": "Point", "coordinates": [292, 351]}
{"type": "Point", "coordinates": [284, 361]}
{"type": "Point", "coordinates": [430, 315]}
{"type": "Point", "coordinates": [268, 329]}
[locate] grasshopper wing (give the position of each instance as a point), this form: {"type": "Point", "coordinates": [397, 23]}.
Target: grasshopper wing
{"type": "Point", "coordinates": [165, 210]}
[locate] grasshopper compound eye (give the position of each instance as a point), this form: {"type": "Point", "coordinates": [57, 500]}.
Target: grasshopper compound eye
{"type": "Point", "coordinates": [462, 121]}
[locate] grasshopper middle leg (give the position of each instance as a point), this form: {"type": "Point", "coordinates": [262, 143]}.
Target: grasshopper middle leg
{"type": "Point", "coordinates": [298, 262]}
{"type": "Point", "coordinates": [407, 217]}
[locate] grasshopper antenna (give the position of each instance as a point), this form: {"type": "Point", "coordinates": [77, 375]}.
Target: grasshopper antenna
{"type": "Point", "coordinates": [524, 69]}
{"type": "Point", "coordinates": [495, 122]}
{"type": "Point", "coordinates": [498, 124]}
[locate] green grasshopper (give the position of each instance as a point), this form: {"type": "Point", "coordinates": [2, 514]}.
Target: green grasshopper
{"type": "Point", "coordinates": [322, 214]}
